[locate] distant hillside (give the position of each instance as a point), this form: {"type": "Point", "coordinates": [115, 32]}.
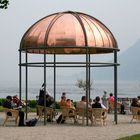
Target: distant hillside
{"type": "Point", "coordinates": [130, 63]}
{"type": "Point", "coordinates": [129, 68]}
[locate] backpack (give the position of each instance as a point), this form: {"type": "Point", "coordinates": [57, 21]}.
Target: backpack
{"type": "Point", "coordinates": [31, 122]}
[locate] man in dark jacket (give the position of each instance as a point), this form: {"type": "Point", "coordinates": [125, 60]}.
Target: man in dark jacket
{"type": "Point", "coordinates": [8, 104]}
{"type": "Point", "coordinates": [97, 104]}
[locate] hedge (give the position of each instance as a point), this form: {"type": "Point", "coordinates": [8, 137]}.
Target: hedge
{"type": "Point", "coordinates": [33, 103]}
{"type": "Point", "coordinates": [2, 100]}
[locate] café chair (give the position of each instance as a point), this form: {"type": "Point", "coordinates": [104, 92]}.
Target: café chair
{"type": "Point", "coordinates": [11, 113]}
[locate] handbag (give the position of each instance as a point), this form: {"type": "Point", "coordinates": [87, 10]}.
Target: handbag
{"type": "Point", "coordinates": [31, 122]}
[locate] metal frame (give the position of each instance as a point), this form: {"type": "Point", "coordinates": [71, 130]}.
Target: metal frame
{"type": "Point", "coordinates": [87, 64]}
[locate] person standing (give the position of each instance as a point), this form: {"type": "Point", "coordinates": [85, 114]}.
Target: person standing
{"type": "Point", "coordinates": [104, 99]}
{"type": "Point", "coordinates": [111, 98]}
{"type": "Point", "coordinates": [63, 94]}
{"type": "Point", "coordinates": [111, 101]}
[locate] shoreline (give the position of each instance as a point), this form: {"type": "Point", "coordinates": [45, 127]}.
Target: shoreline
{"type": "Point", "coordinates": [125, 89]}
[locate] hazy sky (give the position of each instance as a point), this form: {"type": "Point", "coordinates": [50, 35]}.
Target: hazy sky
{"type": "Point", "coordinates": [120, 16]}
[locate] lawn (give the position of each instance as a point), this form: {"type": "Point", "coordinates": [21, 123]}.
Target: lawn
{"type": "Point", "coordinates": [134, 137]}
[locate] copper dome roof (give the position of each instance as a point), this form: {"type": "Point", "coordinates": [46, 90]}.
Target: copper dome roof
{"type": "Point", "coordinates": [68, 33]}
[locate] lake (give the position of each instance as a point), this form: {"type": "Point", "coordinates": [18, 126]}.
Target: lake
{"type": "Point", "coordinates": [125, 89]}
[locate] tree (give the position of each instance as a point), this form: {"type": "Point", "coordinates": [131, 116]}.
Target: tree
{"type": "Point", "coordinates": [82, 84]}
{"type": "Point", "coordinates": [4, 4]}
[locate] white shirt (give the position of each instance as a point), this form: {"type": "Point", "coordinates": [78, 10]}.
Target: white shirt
{"type": "Point", "coordinates": [103, 106]}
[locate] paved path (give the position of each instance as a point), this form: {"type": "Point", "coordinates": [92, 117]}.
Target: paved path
{"type": "Point", "coordinates": [69, 131]}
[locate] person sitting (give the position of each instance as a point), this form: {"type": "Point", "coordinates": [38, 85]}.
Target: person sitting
{"type": "Point", "coordinates": [138, 100]}
{"type": "Point", "coordinates": [49, 98]}
{"type": "Point", "coordinates": [97, 104]}
{"type": "Point", "coordinates": [135, 103]}
{"type": "Point", "coordinates": [40, 100]}
{"type": "Point", "coordinates": [42, 90]}
{"type": "Point", "coordinates": [69, 104]}
{"type": "Point", "coordinates": [18, 102]}
{"type": "Point", "coordinates": [65, 103]}
{"type": "Point", "coordinates": [83, 105]}
{"type": "Point", "coordinates": [49, 101]}
{"type": "Point", "coordinates": [8, 104]}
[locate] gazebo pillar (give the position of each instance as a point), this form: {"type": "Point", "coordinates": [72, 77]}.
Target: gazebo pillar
{"type": "Point", "coordinates": [45, 87]}
{"type": "Point", "coordinates": [87, 81]}
{"type": "Point", "coordinates": [55, 79]}
{"type": "Point", "coordinates": [89, 76]}
{"type": "Point", "coordinates": [20, 73]}
{"type": "Point", "coordinates": [115, 86]}
{"type": "Point", "coordinates": [26, 80]}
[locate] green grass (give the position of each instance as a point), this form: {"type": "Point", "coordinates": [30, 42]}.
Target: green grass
{"type": "Point", "coordinates": [1, 109]}
{"type": "Point", "coordinates": [30, 110]}
{"type": "Point", "coordinates": [133, 137]}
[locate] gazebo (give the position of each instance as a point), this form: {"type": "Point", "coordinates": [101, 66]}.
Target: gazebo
{"type": "Point", "coordinates": [67, 33]}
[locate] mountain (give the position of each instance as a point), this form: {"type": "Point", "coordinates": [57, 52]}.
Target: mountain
{"type": "Point", "coordinates": [129, 68]}
{"type": "Point", "coordinates": [130, 63]}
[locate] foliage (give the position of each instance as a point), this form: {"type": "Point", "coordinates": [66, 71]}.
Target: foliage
{"type": "Point", "coordinates": [74, 103]}
{"type": "Point", "coordinates": [4, 4]}
{"type": "Point", "coordinates": [134, 137]}
{"type": "Point", "coordinates": [2, 101]}
{"type": "Point", "coordinates": [82, 84]}
{"type": "Point", "coordinates": [32, 103]}
{"type": "Point", "coordinates": [57, 106]}
{"type": "Point", "coordinates": [30, 110]}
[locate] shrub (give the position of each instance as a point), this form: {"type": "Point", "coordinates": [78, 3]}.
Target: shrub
{"type": "Point", "coordinates": [57, 106]}
{"type": "Point", "coordinates": [2, 100]}
{"type": "Point", "coordinates": [32, 103]}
